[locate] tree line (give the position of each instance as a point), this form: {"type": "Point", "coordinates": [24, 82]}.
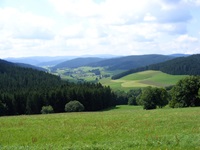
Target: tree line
{"type": "Point", "coordinates": [93, 96]}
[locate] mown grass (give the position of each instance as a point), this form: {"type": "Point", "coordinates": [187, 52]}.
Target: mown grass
{"type": "Point", "coordinates": [125, 127]}
{"type": "Point", "coordinates": [144, 79]}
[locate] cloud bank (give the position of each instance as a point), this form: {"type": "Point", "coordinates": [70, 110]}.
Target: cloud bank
{"type": "Point", "coordinates": [78, 27]}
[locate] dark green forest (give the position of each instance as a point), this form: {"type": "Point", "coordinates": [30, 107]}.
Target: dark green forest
{"type": "Point", "coordinates": [178, 66]}
{"type": "Point", "coordinates": [119, 63]}
{"type": "Point", "coordinates": [77, 62]}
{"type": "Point", "coordinates": [130, 62]}
{"type": "Point", "coordinates": [26, 91]}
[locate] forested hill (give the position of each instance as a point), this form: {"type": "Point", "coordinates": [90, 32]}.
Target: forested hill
{"type": "Point", "coordinates": [26, 91]}
{"type": "Point", "coordinates": [189, 65]}
{"type": "Point", "coordinates": [77, 62]}
{"type": "Point", "coordinates": [30, 66]}
{"type": "Point", "coordinates": [14, 76]}
{"type": "Point", "coordinates": [23, 65]}
{"type": "Point", "coordinates": [130, 62]}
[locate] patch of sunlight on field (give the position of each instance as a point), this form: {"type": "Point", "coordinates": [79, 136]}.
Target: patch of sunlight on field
{"type": "Point", "coordinates": [134, 84]}
{"type": "Point", "coordinates": [141, 75]}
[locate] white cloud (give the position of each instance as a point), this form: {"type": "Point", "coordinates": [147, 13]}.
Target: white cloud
{"type": "Point", "coordinates": [72, 31]}
{"type": "Point", "coordinates": [149, 17]}
{"type": "Point", "coordinates": [107, 12]}
{"type": "Point", "coordinates": [187, 39]}
{"type": "Point", "coordinates": [24, 25]}
{"type": "Point", "coordinates": [107, 26]}
{"type": "Point", "coordinates": [192, 2]}
{"type": "Point", "coordinates": [173, 29]}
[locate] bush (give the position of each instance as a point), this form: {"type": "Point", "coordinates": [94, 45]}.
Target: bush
{"type": "Point", "coordinates": [74, 106]}
{"type": "Point", "coordinates": [153, 97]}
{"type": "Point", "coordinates": [47, 109]}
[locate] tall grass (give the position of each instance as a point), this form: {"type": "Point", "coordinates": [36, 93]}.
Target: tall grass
{"type": "Point", "coordinates": [124, 127]}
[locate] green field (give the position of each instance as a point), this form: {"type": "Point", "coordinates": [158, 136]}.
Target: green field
{"type": "Point", "coordinates": [83, 74]}
{"type": "Point", "coordinates": [125, 127]}
{"type": "Point", "coordinates": [143, 79]}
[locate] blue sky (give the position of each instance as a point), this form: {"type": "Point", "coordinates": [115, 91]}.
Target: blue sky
{"type": "Point", "coordinates": [80, 27]}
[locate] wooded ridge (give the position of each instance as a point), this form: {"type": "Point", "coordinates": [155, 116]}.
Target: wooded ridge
{"type": "Point", "coordinates": [189, 65]}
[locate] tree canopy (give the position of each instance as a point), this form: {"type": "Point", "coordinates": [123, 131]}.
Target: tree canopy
{"type": "Point", "coordinates": [186, 92]}
{"type": "Point", "coordinates": [152, 97]}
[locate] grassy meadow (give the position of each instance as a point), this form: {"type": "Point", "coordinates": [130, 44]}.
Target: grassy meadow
{"type": "Point", "coordinates": [83, 73]}
{"type": "Point", "coordinates": [125, 127]}
{"type": "Point", "coordinates": [143, 79]}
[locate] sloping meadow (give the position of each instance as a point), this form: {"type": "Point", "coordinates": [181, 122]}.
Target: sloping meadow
{"type": "Point", "coordinates": [125, 127]}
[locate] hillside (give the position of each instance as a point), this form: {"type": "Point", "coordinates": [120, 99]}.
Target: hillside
{"type": "Point", "coordinates": [144, 79]}
{"type": "Point", "coordinates": [77, 62]}
{"type": "Point", "coordinates": [23, 65]}
{"type": "Point", "coordinates": [189, 65]}
{"type": "Point", "coordinates": [130, 62]}
{"type": "Point", "coordinates": [180, 66]}
{"type": "Point", "coordinates": [30, 66]}
{"type": "Point", "coordinates": [15, 76]}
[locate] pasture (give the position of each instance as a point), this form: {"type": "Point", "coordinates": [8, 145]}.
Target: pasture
{"type": "Point", "coordinates": [143, 79]}
{"type": "Point", "coordinates": [124, 127]}
{"type": "Point", "coordinates": [84, 74]}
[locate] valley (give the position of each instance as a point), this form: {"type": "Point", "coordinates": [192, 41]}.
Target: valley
{"type": "Point", "coordinates": [84, 74]}
{"type": "Point", "coordinates": [103, 76]}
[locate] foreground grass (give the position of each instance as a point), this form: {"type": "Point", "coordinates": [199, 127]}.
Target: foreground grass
{"type": "Point", "coordinates": [124, 128]}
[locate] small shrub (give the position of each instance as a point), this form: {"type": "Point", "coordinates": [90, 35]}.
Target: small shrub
{"type": "Point", "coordinates": [74, 106]}
{"type": "Point", "coordinates": [47, 109]}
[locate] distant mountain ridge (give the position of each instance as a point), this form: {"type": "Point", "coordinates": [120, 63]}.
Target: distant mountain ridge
{"type": "Point", "coordinates": [5, 63]}
{"type": "Point", "coordinates": [130, 62]}
{"type": "Point", "coordinates": [77, 62]}
{"type": "Point", "coordinates": [111, 62]}
{"type": "Point", "coordinates": [30, 66]}
{"type": "Point", "coordinates": [37, 60]}
{"type": "Point", "coordinates": [118, 63]}
{"type": "Point", "coordinates": [189, 65]}
{"type": "Point", "coordinates": [51, 60]}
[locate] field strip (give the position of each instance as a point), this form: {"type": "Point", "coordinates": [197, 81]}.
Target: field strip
{"type": "Point", "coordinates": [136, 83]}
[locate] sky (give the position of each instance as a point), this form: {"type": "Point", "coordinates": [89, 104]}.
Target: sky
{"type": "Point", "coordinates": [91, 27]}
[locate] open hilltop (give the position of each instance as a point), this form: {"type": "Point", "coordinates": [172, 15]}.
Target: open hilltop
{"type": "Point", "coordinates": [143, 79]}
